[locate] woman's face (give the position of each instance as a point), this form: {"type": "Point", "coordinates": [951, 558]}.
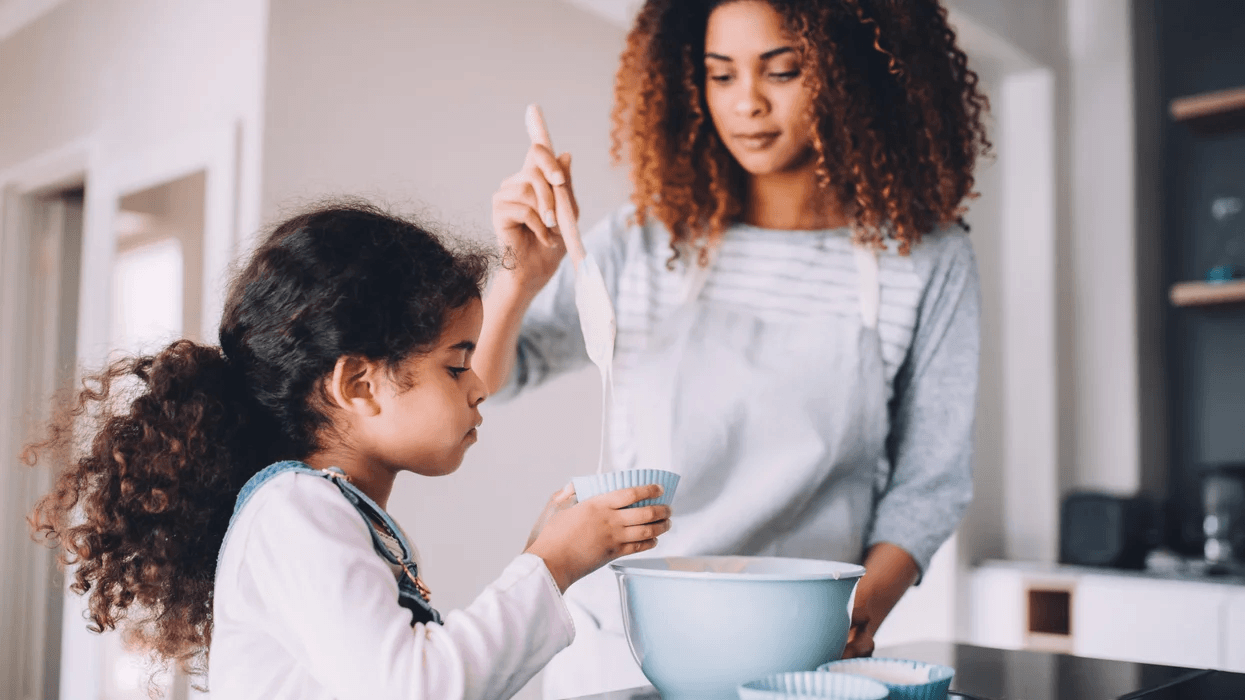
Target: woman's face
{"type": "Point", "coordinates": [754, 88]}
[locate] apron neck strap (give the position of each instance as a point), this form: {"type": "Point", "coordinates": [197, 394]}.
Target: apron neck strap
{"type": "Point", "coordinates": [698, 275]}
{"type": "Point", "coordinates": [870, 284]}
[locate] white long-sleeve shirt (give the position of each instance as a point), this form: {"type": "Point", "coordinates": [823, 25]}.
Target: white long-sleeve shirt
{"type": "Point", "coordinates": [304, 608]}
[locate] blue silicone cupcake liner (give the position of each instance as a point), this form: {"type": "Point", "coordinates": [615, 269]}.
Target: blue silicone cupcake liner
{"type": "Point", "coordinates": [813, 684]}
{"type": "Point", "coordinates": [937, 679]}
{"type": "Point", "coordinates": [588, 486]}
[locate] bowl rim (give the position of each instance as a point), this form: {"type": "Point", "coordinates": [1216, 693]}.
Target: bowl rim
{"type": "Point", "coordinates": [843, 570]}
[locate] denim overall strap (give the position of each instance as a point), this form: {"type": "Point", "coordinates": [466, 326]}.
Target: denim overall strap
{"type": "Point", "coordinates": [411, 593]}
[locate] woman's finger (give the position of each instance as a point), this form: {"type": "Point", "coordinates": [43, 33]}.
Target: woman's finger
{"type": "Point", "coordinates": [515, 189]}
{"type": "Point", "coordinates": [542, 158]}
{"type": "Point", "coordinates": [542, 194]}
{"type": "Point", "coordinates": [518, 213]}
{"type": "Point", "coordinates": [565, 161]}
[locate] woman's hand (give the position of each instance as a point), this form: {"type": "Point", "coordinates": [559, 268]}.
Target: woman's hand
{"type": "Point", "coordinates": [579, 539]}
{"type": "Point", "coordinates": [890, 572]}
{"type": "Point", "coordinates": [860, 635]}
{"type": "Point", "coordinates": [524, 218]}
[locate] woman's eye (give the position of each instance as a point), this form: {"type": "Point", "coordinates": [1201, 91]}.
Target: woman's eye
{"type": "Point", "coordinates": [785, 76]}
{"type": "Point", "coordinates": [456, 371]}
{"type": "Point", "coordinates": [720, 78]}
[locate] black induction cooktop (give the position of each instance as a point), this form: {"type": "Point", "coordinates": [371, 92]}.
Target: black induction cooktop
{"type": "Point", "coordinates": [982, 673]}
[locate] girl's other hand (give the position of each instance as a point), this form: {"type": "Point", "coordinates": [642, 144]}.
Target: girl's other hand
{"type": "Point", "coordinates": [524, 217]}
{"type": "Point", "coordinates": [580, 539]}
{"type": "Point", "coordinates": [557, 502]}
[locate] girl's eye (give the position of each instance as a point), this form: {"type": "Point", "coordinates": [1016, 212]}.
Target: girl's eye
{"type": "Point", "coordinates": [456, 371]}
{"type": "Point", "coordinates": [720, 78]}
{"type": "Point", "coordinates": [785, 76]}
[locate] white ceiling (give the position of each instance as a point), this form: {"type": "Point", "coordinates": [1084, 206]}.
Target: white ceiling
{"type": "Point", "coordinates": [15, 14]}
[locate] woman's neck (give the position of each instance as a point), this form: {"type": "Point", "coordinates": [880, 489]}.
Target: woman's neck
{"type": "Point", "coordinates": [791, 201]}
{"type": "Point", "coordinates": [367, 475]}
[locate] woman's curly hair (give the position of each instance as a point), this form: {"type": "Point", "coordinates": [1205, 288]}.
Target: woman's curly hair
{"type": "Point", "coordinates": [897, 113]}
{"type": "Point", "coordinates": [154, 450]}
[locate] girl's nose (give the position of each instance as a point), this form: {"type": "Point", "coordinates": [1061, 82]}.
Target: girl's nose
{"type": "Point", "coordinates": [477, 392]}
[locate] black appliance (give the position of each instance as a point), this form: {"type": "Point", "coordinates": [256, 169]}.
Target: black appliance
{"type": "Point", "coordinates": [1103, 529]}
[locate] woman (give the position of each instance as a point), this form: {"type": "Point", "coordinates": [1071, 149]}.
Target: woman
{"type": "Point", "coordinates": [797, 299]}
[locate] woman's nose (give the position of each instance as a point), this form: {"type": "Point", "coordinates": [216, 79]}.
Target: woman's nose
{"type": "Point", "coordinates": [751, 102]}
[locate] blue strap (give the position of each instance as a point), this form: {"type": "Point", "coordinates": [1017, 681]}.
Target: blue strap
{"type": "Point", "coordinates": [411, 595]}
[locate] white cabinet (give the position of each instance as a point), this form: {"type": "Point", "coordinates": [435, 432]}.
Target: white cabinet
{"type": "Point", "coordinates": [1153, 621]}
{"type": "Point", "coordinates": [1234, 633]}
{"type": "Point", "coordinates": [1112, 615]}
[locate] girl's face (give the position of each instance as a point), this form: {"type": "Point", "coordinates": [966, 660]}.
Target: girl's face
{"type": "Point", "coordinates": [426, 427]}
{"type": "Point", "coordinates": [756, 95]}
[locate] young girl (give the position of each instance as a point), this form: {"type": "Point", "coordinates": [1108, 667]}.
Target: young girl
{"type": "Point", "coordinates": [797, 301]}
{"type": "Point", "coordinates": [236, 501]}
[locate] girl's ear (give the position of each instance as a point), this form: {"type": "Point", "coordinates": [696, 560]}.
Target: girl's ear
{"type": "Point", "coordinates": [354, 384]}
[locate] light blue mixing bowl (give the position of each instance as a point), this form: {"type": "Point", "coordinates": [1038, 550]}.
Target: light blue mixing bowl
{"type": "Point", "coordinates": [701, 626]}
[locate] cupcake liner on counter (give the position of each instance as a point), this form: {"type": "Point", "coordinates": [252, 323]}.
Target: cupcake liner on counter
{"type": "Point", "coordinates": [813, 684]}
{"type": "Point", "coordinates": [906, 679]}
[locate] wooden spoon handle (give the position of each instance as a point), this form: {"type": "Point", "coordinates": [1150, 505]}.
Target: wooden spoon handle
{"type": "Point", "coordinates": [565, 213]}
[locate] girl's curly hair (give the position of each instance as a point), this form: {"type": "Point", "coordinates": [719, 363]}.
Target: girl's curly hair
{"type": "Point", "coordinates": [143, 506]}
{"type": "Point", "coordinates": [897, 112]}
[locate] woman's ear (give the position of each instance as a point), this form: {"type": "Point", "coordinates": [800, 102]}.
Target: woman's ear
{"type": "Point", "coordinates": [353, 386]}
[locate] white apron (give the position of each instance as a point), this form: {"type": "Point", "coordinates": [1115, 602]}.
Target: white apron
{"type": "Point", "coordinates": [717, 396]}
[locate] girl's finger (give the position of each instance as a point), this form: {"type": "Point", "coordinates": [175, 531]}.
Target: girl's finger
{"type": "Point", "coordinates": [518, 213]}
{"type": "Point", "coordinates": [636, 547]}
{"type": "Point", "coordinates": [649, 531]}
{"type": "Point", "coordinates": [646, 514]}
{"type": "Point", "coordinates": [634, 494]}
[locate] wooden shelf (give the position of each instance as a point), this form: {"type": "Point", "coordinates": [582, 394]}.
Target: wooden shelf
{"type": "Point", "coordinates": [1208, 293]}
{"type": "Point", "coordinates": [1212, 112]}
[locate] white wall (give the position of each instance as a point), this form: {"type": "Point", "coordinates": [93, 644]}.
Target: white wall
{"type": "Point", "coordinates": [122, 95]}
{"type": "Point", "coordinates": [1100, 313]}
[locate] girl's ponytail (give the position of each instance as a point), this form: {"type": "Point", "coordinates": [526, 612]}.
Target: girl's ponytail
{"type": "Point", "coordinates": [143, 508]}
{"type": "Point", "coordinates": [142, 511]}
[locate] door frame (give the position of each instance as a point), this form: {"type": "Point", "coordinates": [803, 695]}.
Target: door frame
{"type": "Point", "coordinates": [107, 177]}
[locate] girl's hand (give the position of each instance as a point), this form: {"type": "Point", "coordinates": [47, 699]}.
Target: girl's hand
{"type": "Point", "coordinates": [580, 539]}
{"type": "Point", "coordinates": [524, 219]}
{"type": "Point", "coordinates": [557, 502]}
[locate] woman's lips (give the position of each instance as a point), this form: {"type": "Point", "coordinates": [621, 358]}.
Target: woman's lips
{"type": "Point", "coordinates": [757, 141]}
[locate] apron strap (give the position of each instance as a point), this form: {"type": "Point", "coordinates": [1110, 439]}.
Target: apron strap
{"type": "Point", "coordinates": [412, 594]}
{"type": "Point", "coordinates": [870, 284]}
{"type": "Point", "coordinates": [698, 276]}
